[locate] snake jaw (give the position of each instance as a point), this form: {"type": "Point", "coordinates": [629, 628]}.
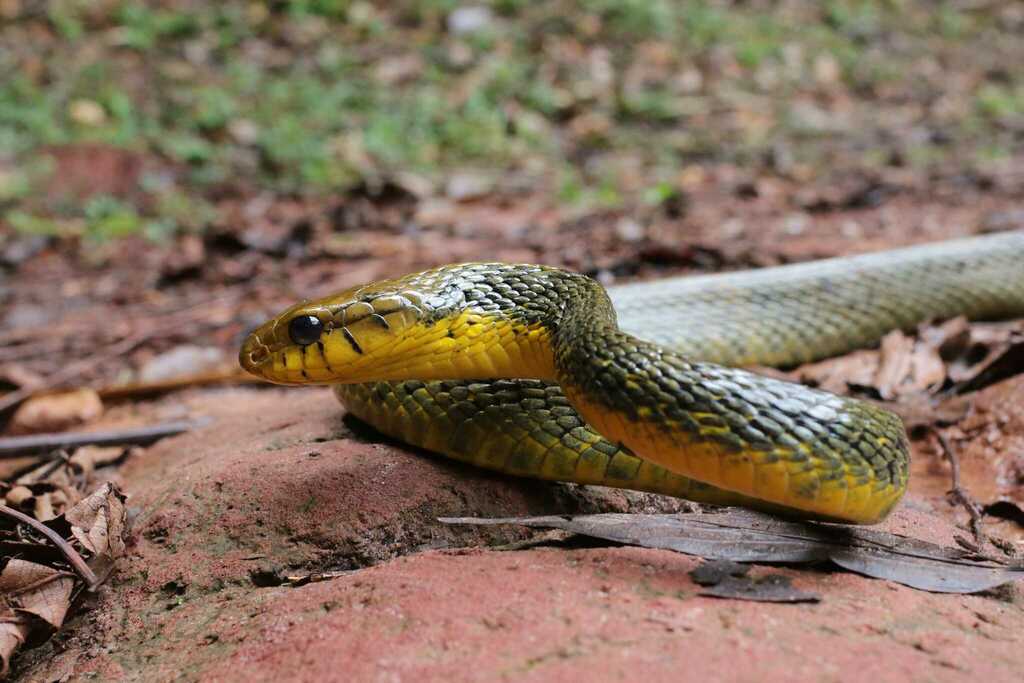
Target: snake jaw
{"type": "Point", "coordinates": [362, 331]}
{"type": "Point", "coordinates": [443, 323]}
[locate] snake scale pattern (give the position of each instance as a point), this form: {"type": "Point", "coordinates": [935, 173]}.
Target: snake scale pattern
{"type": "Point", "coordinates": [540, 372]}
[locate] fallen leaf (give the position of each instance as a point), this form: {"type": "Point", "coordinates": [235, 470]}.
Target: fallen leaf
{"type": "Point", "coordinates": [768, 588]}
{"type": "Point", "coordinates": [920, 411]}
{"type": "Point", "coordinates": [30, 592]}
{"type": "Point", "coordinates": [12, 467]}
{"type": "Point", "coordinates": [927, 370]}
{"type": "Point", "coordinates": [43, 501]}
{"type": "Point", "coordinates": [1006, 365]}
{"type": "Point", "coordinates": [12, 634]}
{"type": "Point", "coordinates": [20, 377]}
{"type": "Point", "coordinates": [713, 572]}
{"type": "Point", "coordinates": [929, 574]}
{"type": "Point", "coordinates": [98, 522]}
{"type": "Point", "coordinates": [87, 458]}
{"type": "Point", "coordinates": [37, 589]}
{"type": "Point", "coordinates": [56, 412]}
{"type": "Point", "coordinates": [835, 375]}
{"type": "Point", "coordinates": [894, 365]}
{"type": "Point", "coordinates": [951, 338]}
{"type": "Point", "coordinates": [48, 472]}
{"type": "Point", "coordinates": [18, 495]}
{"type": "Point", "coordinates": [747, 536]}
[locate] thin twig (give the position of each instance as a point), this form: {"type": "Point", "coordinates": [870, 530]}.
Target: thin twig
{"type": "Point", "coordinates": [164, 323]}
{"type": "Point", "coordinates": [958, 494]}
{"type": "Point", "coordinates": [73, 558]}
{"type": "Point", "coordinates": [87, 320]}
{"type": "Point", "coordinates": [18, 446]}
{"type": "Point", "coordinates": [73, 370]}
{"type": "Point", "coordinates": [58, 458]}
{"type": "Point", "coordinates": [233, 376]}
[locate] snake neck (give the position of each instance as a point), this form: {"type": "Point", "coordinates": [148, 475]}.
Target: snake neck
{"type": "Point", "coordinates": [593, 357]}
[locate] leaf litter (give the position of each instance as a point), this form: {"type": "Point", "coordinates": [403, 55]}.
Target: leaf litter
{"type": "Point", "coordinates": [47, 509]}
{"type": "Point", "coordinates": [931, 380]}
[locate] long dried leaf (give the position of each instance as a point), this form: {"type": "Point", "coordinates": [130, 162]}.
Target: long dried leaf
{"type": "Point", "coordinates": [37, 589]}
{"type": "Point", "coordinates": [98, 522]}
{"type": "Point", "coordinates": [30, 593]}
{"type": "Point", "coordinates": [744, 536]}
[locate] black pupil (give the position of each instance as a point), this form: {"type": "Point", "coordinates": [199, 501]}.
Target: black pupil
{"type": "Point", "coordinates": [305, 329]}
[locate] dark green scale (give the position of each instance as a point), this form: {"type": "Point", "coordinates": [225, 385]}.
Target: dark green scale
{"type": "Point", "coordinates": [659, 371]}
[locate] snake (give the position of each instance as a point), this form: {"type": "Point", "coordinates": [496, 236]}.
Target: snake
{"type": "Point", "coordinates": [536, 371]}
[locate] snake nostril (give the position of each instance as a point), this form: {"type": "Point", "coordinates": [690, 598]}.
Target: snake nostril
{"type": "Point", "coordinates": [258, 355]}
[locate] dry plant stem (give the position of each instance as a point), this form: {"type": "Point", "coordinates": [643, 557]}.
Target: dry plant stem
{"type": "Point", "coordinates": [19, 446]}
{"type": "Point", "coordinates": [59, 458]}
{"type": "Point", "coordinates": [166, 322]}
{"type": "Point", "coordinates": [73, 558]}
{"type": "Point", "coordinates": [125, 391]}
{"type": "Point", "coordinates": [75, 369]}
{"type": "Point", "coordinates": [958, 494]}
{"type": "Point", "coordinates": [175, 315]}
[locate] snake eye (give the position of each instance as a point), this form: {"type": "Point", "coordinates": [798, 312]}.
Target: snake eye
{"type": "Point", "coordinates": [305, 329]}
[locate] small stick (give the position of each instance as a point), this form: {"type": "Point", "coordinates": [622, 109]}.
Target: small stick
{"type": "Point", "coordinates": [958, 493]}
{"type": "Point", "coordinates": [73, 370]}
{"type": "Point", "coordinates": [233, 376]}
{"type": "Point", "coordinates": [18, 446]}
{"type": "Point", "coordinates": [73, 558]}
{"type": "Point", "coordinates": [165, 322]}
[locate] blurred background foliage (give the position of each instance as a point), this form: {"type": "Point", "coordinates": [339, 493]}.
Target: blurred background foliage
{"type": "Point", "coordinates": [587, 102]}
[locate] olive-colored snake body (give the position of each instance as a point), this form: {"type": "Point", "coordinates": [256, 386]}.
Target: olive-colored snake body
{"type": "Point", "coordinates": [539, 372]}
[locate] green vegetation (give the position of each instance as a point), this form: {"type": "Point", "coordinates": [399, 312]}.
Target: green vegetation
{"type": "Point", "coordinates": [312, 97]}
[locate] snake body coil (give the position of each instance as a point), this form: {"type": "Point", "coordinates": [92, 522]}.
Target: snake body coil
{"type": "Point", "coordinates": [526, 370]}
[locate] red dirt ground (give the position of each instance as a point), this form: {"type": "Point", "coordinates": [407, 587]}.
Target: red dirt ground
{"type": "Point", "coordinates": [279, 485]}
{"type": "Point", "coordinates": [223, 513]}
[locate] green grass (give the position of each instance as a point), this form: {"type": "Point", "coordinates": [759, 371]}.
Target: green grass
{"type": "Point", "coordinates": [312, 97]}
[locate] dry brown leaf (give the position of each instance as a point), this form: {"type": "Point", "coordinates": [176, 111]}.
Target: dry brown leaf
{"type": "Point", "coordinates": [13, 632]}
{"type": "Point", "coordinates": [88, 458]}
{"type": "Point", "coordinates": [30, 592]}
{"type": "Point", "coordinates": [967, 356]}
{"type": "Point", "coordinates": [951, 338]}
{"type": "Point", "coordinates": [47, 471]}
{"type": "Point", "coordinates": [18, 495]}
{"type": "Point", "coordinates": [835, 375]}
{"type": "Point", "coordinates": [98, 521]}
{"type": "Point", "coordinates": [922, 410]}
{"type": "Point", "coordinates": [56, 412]}
{"type": "Point", "coordinates": [20, 377]}
{"type": "Point", "coordinates": [1009, 362]}
{"type": "Point", "coordinates": [46, 491]}
{"type": "Point", "coordinates": [894, 366]}
{"type": "Point", "coordinates": [37, 589]}
{"type": "Point", "coordinates": [44, 501]}
{"type": "Point", "coordinates": [927, 369]}
{"type": "Point", "coordinates": [9, 468]}
{"type": "Point", "coordinates": [44, 508]}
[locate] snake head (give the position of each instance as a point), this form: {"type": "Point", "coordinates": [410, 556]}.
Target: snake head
{"type": "Point", "coordinates": [349, 337]}
{"type": "Point", "coordinates": [439, 324]}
